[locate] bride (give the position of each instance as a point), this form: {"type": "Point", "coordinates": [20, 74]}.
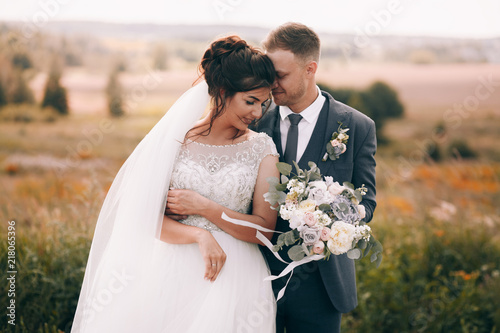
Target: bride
{"type": "Point", "coordinates": [149, 273]}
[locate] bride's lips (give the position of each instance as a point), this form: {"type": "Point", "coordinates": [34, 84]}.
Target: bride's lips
{"type": "Point", "coordinates": [246, 121]}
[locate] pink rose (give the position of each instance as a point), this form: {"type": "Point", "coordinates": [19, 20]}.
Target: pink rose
{"type": "Point", "coordinates": [344, 148]}
{"type": "Point", "coordinates": [309, 219]}
{"type": "Point", "coordinates": [362, 211]}
{"type": "Point", "coordinates": [325, 234]}
{"type": "Point", "coordinates": [335, 188]}
{"type": "Point", "coordinates": [318, 247]}
{"type": "Point", "coordinates": [335, 143]}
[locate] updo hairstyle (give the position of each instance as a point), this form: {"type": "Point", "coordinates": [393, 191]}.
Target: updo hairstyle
{"type": "Point", "coordinates": [229, 66]}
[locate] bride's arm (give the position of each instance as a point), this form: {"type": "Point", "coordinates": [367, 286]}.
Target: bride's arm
{"type": "Point", "coordinates": [186, 202]}
{"type": "Point", "coordinates": [174, 232]}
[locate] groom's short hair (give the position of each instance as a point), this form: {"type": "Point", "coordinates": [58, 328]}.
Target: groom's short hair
{"type": "Point", "coordinates": [298, 38]}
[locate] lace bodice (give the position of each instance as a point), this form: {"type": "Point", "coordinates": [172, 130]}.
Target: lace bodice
{"type": "Point", "coordinates": [225, 174]}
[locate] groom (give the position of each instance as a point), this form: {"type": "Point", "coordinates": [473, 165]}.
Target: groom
{"type": "Point", "coordinates": [301, 126]}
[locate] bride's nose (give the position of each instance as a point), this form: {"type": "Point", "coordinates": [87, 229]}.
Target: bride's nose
{"type": "Point", "coordinates": [257, 111]}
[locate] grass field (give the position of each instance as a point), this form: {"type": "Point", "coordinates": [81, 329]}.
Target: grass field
{"type": "Point", "coordinates": [439, 222]}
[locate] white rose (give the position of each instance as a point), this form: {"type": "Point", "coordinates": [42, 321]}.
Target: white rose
{"type": "Point", "coordinates": [285, 213]}
{"type": "Point", "coordinates": [341, 136]}
{"type": "Point", "coordinates": [328, 180]}
{"type": "Point", "coordinates": [318, 184]}
{"type": "Point", "coordinates": [341, 237]}
{"type": "Point", "coordinates": [320, 196]}
{"type": "Point", "coordinates": [308, 205]}
{"type": "Point", "coordinates": [336, 188]}
{"type": "Point", "coordinates": [296, 219]}
{"type": "Point", "coordinates": [362, 211]}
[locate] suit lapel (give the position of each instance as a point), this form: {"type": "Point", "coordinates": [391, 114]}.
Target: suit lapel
{"type": "Point", "coordinates": [333, 115]}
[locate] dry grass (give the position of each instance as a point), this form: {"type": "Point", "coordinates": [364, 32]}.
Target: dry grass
{"type": "Point", "coordinates": [54, 176]}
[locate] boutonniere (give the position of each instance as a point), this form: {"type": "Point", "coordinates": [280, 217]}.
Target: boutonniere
{"type": "Point", "coordinates": [337, 144]}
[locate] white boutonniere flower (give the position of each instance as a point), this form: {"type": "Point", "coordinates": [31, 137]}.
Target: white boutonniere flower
{"type": "Point", "coordinates": [337, 144]}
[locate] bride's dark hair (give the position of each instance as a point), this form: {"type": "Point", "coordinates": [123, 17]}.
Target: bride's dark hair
{"type": "Point", "coordinates": [229, 66]}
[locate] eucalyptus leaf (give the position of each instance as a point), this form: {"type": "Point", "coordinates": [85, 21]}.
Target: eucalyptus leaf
{"type": "Point", "coordinates": [373, 257]}
{"type": "Point", "coordinates": [281, 187]}
{"type": "Point", "coordinates": [354, 254]}
{"type": "Point", "coordinates": [276, 248]}
{"type": "Point", "coordinates": [281, 240]}
{"type": "Point", "coordinates": [290, 238]}
{"type": "Point", "coordinates": [329, 149]}
{"type": "Point", "coordinates": [379, 260]}
{"type": "Point", "coordinates": [284, 168]}
{"type": "Point", "coordinates": [325, 208]}
{"type": "Point", "coordinates": [273, 181]}
{"type": "Point", "coordinates": [357, 195]}
{"type": "Point", "coordinates": [284, 179]}
{"type": "Point", "coordinates": [296, 253]}
{"type": "Point", "coordinates": [300, 172]}
{"type": "Point", "coordinates": [367, 249]}
{"type": "Point", "coordinates": [362, 244]}
{"type": "Point", "coordinates": [349, 185]}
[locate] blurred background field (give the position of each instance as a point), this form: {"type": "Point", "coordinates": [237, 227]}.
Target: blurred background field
{"type": "Point", "coordinates": [438, 162]}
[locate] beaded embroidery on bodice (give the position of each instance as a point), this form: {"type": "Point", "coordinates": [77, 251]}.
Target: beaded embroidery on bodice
{"type": "Point", "coordinates": [225, 174]}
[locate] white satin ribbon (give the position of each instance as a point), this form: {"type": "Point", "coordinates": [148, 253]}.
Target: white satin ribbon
{"type": "Point", "coordinates": [290, 266]}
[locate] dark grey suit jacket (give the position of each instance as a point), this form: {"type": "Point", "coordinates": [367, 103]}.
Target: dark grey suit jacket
{"type": "Point", "coordinates": [356, 165]}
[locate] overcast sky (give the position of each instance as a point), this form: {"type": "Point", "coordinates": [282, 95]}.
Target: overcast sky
{"type": "Point", "coordinates": [456, 18]}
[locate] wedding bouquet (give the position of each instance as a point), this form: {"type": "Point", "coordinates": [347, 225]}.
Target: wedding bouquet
{"type": "Point", "coordinates": [325, 217]}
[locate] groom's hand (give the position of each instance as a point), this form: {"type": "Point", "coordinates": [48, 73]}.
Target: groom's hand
{"type": "Point", "coordinates": [173, 216]}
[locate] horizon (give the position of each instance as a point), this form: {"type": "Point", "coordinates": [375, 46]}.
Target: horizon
{"type": "Point", "coordinates": [445, 19]}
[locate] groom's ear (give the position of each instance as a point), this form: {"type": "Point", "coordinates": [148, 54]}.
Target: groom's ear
{"type": "Point", "coordinates": [311, 67]}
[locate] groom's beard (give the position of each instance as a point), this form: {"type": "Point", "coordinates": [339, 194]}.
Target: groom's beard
{"type": "Point", "coordinates": [290, 96]}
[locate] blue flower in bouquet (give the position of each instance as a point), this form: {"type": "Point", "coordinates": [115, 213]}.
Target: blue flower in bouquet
{"type": "Point", "coordinates": [344, 210]}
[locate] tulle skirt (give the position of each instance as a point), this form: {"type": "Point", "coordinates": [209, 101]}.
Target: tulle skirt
{"type": "Point", "coordinates": [239, 300]}
{"type": "Point", "coordinates": [174, 297]}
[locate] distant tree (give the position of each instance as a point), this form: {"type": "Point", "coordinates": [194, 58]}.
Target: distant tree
{"type": "Point", "coordinates": [379, 102]}
{"type": "Point", "coordinates": [385, 100]}
{"type": "Point", "coordinates": [114, 93]}
{"type": "Point", "coordinates": [21, 92]}
{"type": "Point", "coordinates": [21, 60]}
{"type": "Point", "coordinates": [55, 94]}
{"type": "Point", "coordinates": [461, 149]}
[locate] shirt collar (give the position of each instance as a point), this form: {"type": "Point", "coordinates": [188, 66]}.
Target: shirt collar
{"type": "Point", "coordinates": [309, 114]}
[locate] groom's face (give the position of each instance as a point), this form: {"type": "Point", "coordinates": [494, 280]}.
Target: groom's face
{"type": "Point", "coordinates": [291, 80]}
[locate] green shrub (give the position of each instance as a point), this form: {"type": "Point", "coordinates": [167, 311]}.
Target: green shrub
{"type": "Point", "coordinates": [461, 149]}
{"type": "Point", "coordinates": [379, 102]}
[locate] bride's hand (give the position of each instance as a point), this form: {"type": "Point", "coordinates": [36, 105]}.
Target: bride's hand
{"type": "Point", "coordinates": [212, 254]}
{"type": "Point", "coordinates": [185, 202]}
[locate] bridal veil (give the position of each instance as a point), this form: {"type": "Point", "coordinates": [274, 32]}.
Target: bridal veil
{"type": "Point", "coordinates": [117, 276]}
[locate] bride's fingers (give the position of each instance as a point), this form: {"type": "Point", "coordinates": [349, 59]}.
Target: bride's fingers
{"type": "Point", "coordinates": [210, 269]}
{"type": "Point", "coordinates": [219, 268]}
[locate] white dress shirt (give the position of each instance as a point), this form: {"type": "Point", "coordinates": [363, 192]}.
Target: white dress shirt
{"type": "Point", "coordinates": [306, 125]}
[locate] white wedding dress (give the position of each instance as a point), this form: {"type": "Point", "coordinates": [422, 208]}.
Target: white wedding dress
{"type": "Point", "coordinates": [134, 282]}
{"type": "Point", "coordinates": [239, 300]}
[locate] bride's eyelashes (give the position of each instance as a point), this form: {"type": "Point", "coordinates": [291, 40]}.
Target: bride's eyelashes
{"type": "Point", "coordinates": [250, 102]}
